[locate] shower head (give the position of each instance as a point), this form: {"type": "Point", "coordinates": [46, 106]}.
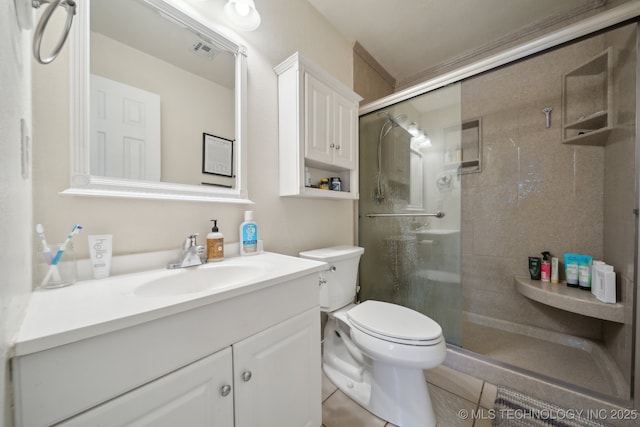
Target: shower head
{"type": "Point", "coordinates": [392, 121]}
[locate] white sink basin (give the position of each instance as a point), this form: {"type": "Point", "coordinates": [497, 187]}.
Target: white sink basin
{"type": "Point", "coordinates": [200, 279]}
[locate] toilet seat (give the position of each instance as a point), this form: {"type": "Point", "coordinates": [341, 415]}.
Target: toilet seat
{"type": "Point", "coordinates": [395, 323]}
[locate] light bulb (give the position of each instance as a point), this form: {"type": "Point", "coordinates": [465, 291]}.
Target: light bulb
{"type": "Point", "coordinates": [242, 8]}
{"type": "Point", "coordinates": [242, 14]}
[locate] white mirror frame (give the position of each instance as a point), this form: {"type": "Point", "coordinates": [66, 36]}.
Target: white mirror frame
{"type": "Point", "coordinates": [82, 183]}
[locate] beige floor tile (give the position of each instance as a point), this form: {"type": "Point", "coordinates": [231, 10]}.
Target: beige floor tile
{"type": "Point", "coordinates": [327, 387]}
{"type": "Point", "coordinates": [451, 410]}
{"type": "Point", "coordinates": [483, 418]}
{"type": "Point", "coordinates": [340, 411]}
{"type": "Point", "coordinates": [458, 383]}
{"type": "Point", "coordinates": [488, 396]}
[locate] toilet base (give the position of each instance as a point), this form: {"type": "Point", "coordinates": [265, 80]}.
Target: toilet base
{"type": "Point", "coordinates": [394, 394]}
{"type": "Point", "coordinates": [400, 396]}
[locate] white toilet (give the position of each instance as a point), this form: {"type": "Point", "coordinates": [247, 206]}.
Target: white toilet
{"type": "Point", "coordinates": [375, 351]}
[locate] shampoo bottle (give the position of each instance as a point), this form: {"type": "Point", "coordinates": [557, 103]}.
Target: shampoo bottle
{"type": "Point", "coordinates": [215, 244]}
{"type": "Point", "coordinates": [545, 271]}
{"type": "Point", "coordinates": [248, 235]}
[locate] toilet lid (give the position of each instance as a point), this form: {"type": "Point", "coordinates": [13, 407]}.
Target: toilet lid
{"type": "Point", "coordinates": [394, 322]}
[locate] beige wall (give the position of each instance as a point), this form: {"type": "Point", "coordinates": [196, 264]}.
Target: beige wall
{"type": "Point", "coordinates": [370, 80]}
{"type": "Point", "coordinates": [15, 191]}
{"type": "Point", "coordinates": [286, 225]}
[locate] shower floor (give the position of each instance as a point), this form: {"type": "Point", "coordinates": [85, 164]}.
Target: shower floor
{"type": "Point", "coordinates": [572, 360]}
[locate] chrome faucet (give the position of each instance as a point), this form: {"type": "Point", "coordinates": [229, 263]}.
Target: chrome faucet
{"type": "Point", "coordinates": [191, 253]}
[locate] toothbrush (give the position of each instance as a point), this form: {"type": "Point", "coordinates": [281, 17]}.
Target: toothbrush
{"type": "Point", "coordinates": [48, 256]}
{"type": "Point", "coordinates": [75, 230]}
{"type": "Point", "coordinates": [53, 268]}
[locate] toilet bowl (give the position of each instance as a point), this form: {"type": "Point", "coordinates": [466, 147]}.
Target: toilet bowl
{"type": "Point", "coordinates": [375, 352]}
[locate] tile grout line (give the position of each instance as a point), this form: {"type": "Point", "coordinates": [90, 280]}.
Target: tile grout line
{"type": "Point", "coordinates": [484, 383]}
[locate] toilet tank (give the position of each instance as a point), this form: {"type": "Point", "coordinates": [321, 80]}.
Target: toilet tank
{"type": "Point", "coordinates": [338, 283]}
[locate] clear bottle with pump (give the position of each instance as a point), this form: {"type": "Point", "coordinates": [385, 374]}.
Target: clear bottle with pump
{"type": "Point", "coordinates": [215, 244]}
{"type": "Point", "coordinates": [545, 271]}
{"type": "Point", "coordinates": [248, 235]}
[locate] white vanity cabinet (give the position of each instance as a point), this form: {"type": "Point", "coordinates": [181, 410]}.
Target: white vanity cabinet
{"type": "Point", "coordinates": [267, 376]}
{"type": "Point", "coordinates": [318, 130]}
{"type": "Point", "coordinates": [246, 357]}
{"type": "Point", "coordinates": [197, 395]}
{"type": "Point", "coordinates": [277, 375]}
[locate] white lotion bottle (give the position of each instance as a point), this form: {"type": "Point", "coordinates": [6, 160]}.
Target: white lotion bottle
{"type": "Point", "coordinates": [215, 244]}
{"type": "Point", "coordinates": [248, 235]}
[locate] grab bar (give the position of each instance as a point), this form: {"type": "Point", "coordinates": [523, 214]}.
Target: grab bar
{"type": "Point", "coordinates": [438, 214]}
{"type": "Point", "coordinates": [70, 5]}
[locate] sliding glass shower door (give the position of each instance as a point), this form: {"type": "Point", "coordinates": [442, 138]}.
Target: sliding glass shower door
{"type": "Point", "coordinates": [411, 157]}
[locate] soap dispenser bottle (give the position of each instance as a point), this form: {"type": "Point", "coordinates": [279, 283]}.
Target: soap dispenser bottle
{"type": "Point", "coordinates": [215, 244]}
{"type": "Point", "coordinates": [248, 235]}
{"type": "Point", "coordinates": [545, 271]}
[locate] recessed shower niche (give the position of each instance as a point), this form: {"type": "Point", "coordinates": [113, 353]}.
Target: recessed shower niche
{"type": "Point", "coordinates": [463, 146]}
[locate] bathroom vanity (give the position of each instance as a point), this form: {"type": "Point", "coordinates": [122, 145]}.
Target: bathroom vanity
{"type": "Point", "coordinates": [236, 343]}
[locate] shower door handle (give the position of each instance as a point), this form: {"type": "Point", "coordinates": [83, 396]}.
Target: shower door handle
{"type": "Point", "coordinates": [438, 214]}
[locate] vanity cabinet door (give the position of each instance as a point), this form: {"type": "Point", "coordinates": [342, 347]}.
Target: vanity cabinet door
{"type": "Point", "coordinates": [277, 375]}
{"type": "Point", "coordinates": [200, 394]}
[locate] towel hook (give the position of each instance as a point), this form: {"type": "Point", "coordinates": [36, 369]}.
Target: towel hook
{"type": "Point", "coordinates": [70, 5]}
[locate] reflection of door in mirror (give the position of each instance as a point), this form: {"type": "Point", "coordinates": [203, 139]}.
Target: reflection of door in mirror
{"type": "Point", "coordinates": [125, 131]}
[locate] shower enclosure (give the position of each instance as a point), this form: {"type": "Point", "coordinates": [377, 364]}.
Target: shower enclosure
{"type": "Point", "coordinates": [409, 207]}
{"type": "Point", "coordinates": [460, 184]}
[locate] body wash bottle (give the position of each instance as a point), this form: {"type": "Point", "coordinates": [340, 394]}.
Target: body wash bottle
{"type": "Point", "coordinates": [248, 235]}
{"type": "Point", "coordinates": [215, 244]}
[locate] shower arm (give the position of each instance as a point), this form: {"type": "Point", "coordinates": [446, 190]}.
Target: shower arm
{"type": "Point", "coordinates": [438, 214]}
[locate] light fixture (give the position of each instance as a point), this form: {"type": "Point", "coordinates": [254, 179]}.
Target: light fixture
{"type": "Point", "coordinates": [420, 140]}
{"type": "Point", "coordinates": [242, 14]}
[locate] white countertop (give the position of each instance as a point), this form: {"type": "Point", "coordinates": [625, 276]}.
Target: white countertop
{"type": "Point", "coordinates": [88, 308]}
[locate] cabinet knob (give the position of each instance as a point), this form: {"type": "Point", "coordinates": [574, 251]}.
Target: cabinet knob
{"type": "Point", "coordinates": [337, 147]}
{"type": "Point", "coordinates": [225, 390]}
{"type": "Point", "coordinates": [246, 376]}
{"type": "Point", "coordinates": [332, 146]}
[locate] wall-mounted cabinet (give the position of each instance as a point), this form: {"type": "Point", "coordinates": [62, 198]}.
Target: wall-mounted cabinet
{"type": "Point", "coordinates": [318, 131]}
{"type": "Point", "coordinates": [587, 101]}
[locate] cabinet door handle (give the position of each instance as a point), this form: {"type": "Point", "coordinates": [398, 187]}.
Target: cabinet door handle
{"type": "Point", "coordinates": [225, 390]}
{"type": "Point", "coordinates": [332, 145]}
{"type": "Point", "coordinates": [337, 147]}
{"type": "Point", "coordinates": [246, 376]}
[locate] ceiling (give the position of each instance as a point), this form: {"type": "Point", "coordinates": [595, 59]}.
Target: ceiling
{"type": "Point", "coordinates": [409, 37]}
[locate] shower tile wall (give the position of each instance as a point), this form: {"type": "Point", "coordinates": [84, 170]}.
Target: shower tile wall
{"type": "Point", "coordinates": [619, 185]}
{"type": "Point", "coordinates": [536, 194]}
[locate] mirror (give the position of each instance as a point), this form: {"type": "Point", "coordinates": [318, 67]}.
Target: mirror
{"type": "Point", "coordinates": [177, 88]}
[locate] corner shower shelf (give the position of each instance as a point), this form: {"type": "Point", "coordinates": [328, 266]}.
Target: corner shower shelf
{"type": "Point", "coordinates": [559, 295]}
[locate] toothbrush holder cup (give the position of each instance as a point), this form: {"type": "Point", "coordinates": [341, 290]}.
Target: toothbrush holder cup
{"type": "Point", "coordinates": [64, 273]}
